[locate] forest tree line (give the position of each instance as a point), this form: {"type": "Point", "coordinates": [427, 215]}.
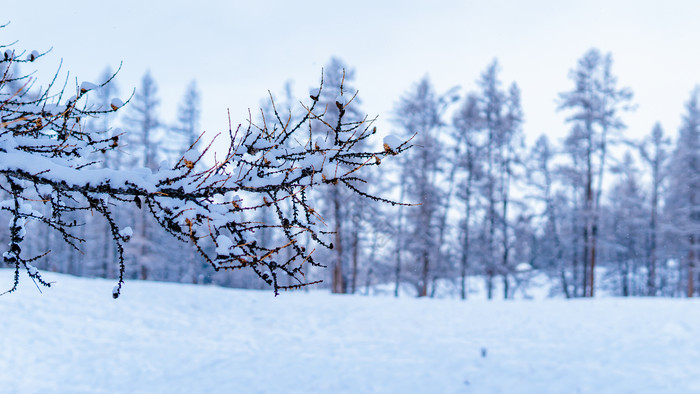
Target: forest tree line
{"type": "Point", "coordinates": [595, 211]}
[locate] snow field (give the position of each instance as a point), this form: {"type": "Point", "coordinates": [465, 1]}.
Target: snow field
{"type": "Point", "coordinates": [172, 338]}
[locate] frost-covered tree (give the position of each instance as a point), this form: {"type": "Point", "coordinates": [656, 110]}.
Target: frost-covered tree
{"type": "Point", "coordinates": [627, 229]}
{"type": "Point", "coordinates": [501, 117]}
{"type": "Point", "coordinates": [467, 132]}
{"type": "Point", "coordinates": [683, 193]}
{"type": "Point", "coordinates": [142, 124]}
{"type": "Point", "coordinates": [654, 153]}
{"type": "Point", "coordinates": [595, 104]}
{"type": "Point", "coordinates": [541, 178]}
{"type": "Point", "coordinates": [49, 162]}
{"type": "Point", "coordinates": [188, 116]}
{"type": "Point", "coordinates": [510, 144]}
{"type": "Point", "coordinates": [418, 115]}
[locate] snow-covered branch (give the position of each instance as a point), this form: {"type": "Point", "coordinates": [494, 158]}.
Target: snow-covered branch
{"type": "Point", "coordinates": [48, 164]}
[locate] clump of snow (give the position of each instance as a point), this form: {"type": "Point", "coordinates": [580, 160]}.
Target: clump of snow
{"type": "Point", "coordinates": [342, 100]}
{"type": "Point", "coordinates": [126, 232]}
{"type": "Point", "coordinates": [117, 131]}
{"type": "Point", "coordinates": [191, 155]}
{"type": "Point", "coordinates": [392, 143]}
{"type": "Point", "coordinates": [33, 55]}
{"type": "Point", "coordinates": [331, 171]}
{"type": "Point", "coordinates": [314, 162]}
{"type": "Point", "coordinates": [262, 144]}
{"type": "Point", "coordinates": [224, 245]}
{"type": "Point", "coordinates": [231, 196]}
{"type": "Point", "coordinates": [44, 190]}
{"type": "Point", "coordinates": [272, 161]}
{"type": "Point", "coordinates": [32, 270]}
{"type": "Point", "coordinates": [116, 103]}
{"type": "Point", "coordinates": [86, 86]}
{"type": "Point", "coordinates": [322, 144]}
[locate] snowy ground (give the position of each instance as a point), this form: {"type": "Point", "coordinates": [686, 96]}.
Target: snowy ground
{"type": "Point", "coordinates": [169, 338]}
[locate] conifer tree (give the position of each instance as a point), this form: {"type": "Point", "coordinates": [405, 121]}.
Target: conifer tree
{"type": "Point", "coordinates": [595, 104]}
{"type": "Point", "coordinates": [418, 116]}
{"type": "Point", "coordinates": [683, 195]}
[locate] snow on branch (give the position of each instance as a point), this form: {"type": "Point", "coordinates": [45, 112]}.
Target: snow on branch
{"type": "Point", "coordinates": [48, 164]}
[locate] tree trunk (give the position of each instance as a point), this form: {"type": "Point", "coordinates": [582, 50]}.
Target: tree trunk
{"type": "Point", "coordinates": [489, 285]}
{"type": "Point", "coordinates": [651, 279]}
{"type": "Point", "coordinates": [591, 273]}
{"type": "Point", "coordinates": [338, 285]}
{"type": "Point", "coordinates": [467, 219]}
{"type": "Point", "coordinates": [586, 259]}
{"type": "Point", "coordinates": [587, 230]}
{"type": "Point", "coordinates": [564, 284]}
{"type": "Point", "coordinates": [424, 276]}
{"type": "Point", "coordinates": [370, 271]}
{"type": "Point", "coordinates": [399, 246]}
{"type": "Point", "coordinates": [463, 283]}
{"type": "Point", "coordinates": [355, 253]}
{"type": "Point", "coordinates": [691, 268]}
{"type": "Point", "coordinates": [368, 282]}
{"type": "Point", "coordinates": [596, 204]}
{"type": "Point", "coordinates": [691, 275]}
{"type": "Point", "coordinates": [575, 253]}
{"type": "Point", "coordinates": [506, 250]}
{"type": "Point", "coordinates": [145, 250]}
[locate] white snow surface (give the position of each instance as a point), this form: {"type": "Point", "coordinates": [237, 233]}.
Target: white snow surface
{"type": "Point", "coordinates": [173, 338]}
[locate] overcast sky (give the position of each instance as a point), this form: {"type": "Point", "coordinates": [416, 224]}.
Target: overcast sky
{"type": "Point", "coordinates": [237, 50]}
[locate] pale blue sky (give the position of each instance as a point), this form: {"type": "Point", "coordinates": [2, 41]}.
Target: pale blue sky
{"type": "Point", "coordinates": [237, 50]}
